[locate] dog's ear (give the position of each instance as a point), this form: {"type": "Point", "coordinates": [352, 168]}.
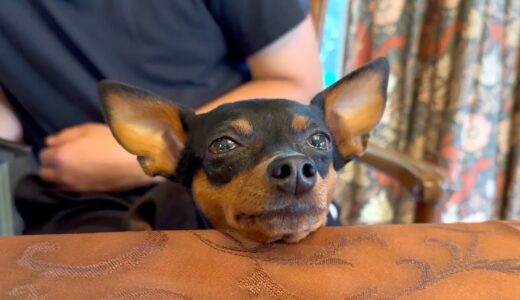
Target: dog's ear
{"type": "Point", "coordinates": [352, 107]}
{"type": "Point", "coordinates": [145, 125]}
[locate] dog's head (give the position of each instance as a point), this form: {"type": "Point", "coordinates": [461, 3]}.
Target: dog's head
{"type": "Point", "coordinates": [264, 168]}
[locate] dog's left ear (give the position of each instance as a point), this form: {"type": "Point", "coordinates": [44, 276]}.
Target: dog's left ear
{"type": "Point", "coordinates": [145, 125]}
{"type": "Point", "coordinates": [353, 106]}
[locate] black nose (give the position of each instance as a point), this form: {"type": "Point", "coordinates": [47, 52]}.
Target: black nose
{"type": "Point", "coordinates": [292, 174]}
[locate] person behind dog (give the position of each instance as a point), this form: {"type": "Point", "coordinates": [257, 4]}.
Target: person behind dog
{"type": "Point", "coordinates": [198, 53]}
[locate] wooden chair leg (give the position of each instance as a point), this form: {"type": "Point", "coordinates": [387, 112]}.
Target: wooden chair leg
{"type": "Point", "coordinates": [426, 213]}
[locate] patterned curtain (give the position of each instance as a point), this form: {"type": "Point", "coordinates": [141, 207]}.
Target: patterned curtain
{"type": "Point", "coordinates": [454, 100]}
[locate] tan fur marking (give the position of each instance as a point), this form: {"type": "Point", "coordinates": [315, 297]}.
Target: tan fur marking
{"type": "Point", "coordinates": [352, 110]}
{"type": "Point", "coordinates": [242, 127]}
{"type": "Point", "coordinates": [300, 123]}
{"type": "Point", "coordinates": [150, 129]}
{"type": "Point", "coordinates": [251, 193]}
{"type": "Point", "coordinates": [332, 179]}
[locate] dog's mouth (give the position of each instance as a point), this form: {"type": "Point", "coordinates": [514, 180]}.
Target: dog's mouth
{"type": "Point", "coordinates": [290, 223]}
{"type": "Point", "coordinates": [292, 211]}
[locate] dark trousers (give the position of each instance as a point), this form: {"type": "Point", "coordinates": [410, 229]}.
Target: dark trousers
{"type": "Point", "coordinates": [166, 206]}
{"type": "Point", "coordinates": [46, 209]}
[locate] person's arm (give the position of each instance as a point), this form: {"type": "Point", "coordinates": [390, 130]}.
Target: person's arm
{"type": "Point", "coordinates": [10, 128]}
{"type": "Point", "coordinates": [287, 68]}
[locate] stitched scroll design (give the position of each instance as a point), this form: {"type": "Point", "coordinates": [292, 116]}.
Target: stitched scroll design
{"type": "Point", "coordinates": [260, 283]}
{"type": "Point", "coordinates": [154, 241]}
{"type": "Point", "coordinates": [31, 292]}
{"type": "Point", "coordinates": [369, 293]}
{"type": "Point", "coordinates": [325, 256]}
{"type": "Point", "coordinates": [459, 262]}
{"type": "Point", "coordinates": [145, 293]}
{"type": "Point", "coordinates": [27, 292]}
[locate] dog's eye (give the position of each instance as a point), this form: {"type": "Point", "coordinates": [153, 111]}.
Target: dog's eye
{"type": "Point", "coordinates": [222, 145]}
{"type": "Point", "coordinates": [319, 141]}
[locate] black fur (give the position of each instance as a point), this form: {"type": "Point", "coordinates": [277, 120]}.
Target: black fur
{"type": "Point", "coordinates": [272, 134]}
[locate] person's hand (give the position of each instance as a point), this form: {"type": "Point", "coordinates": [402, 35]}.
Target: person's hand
{"type": "Point", "coordinates": [87, 158]}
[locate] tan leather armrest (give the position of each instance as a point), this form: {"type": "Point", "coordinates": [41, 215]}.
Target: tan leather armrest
{"type": "Point", "coordinates": [417, 261]}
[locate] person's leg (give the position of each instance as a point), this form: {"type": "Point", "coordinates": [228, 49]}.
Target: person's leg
{"type": "Point", "coordinates": [45, 209]}
{"type": "Point", "coordinates": [167, 206]}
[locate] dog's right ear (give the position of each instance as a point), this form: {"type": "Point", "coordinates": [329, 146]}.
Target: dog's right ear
{"type": "Point", "coordinates": [352, 108]}
{"type": "Point", "coordinates": [145, 125]}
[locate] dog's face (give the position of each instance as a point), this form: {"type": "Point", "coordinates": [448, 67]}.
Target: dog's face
{"type": "Point", "coordinates": [264, 168]}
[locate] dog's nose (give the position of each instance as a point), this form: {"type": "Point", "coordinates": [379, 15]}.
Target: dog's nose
{"type": "Point", "coordinates": [292, 174]}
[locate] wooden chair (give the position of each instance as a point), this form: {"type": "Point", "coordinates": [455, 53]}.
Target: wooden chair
{"type": "Point", "coordinates": [428, 184]}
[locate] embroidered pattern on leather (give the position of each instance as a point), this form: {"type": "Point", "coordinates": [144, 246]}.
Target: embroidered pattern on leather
{"type": "Point", "coordinates": [259, 283]}
{"type": "Point", "coordinates": [461, 252]}
{"type": "Point", "coordinates": [154, 241]}
{"type": "Point", "coordinates": [459, 262]}
{"type": "Point", "coordinates": [324, 256]}
{"type": "Point", "coordinates": [27, 292]}
{"type": "Point", "coordinates": [364, 295]}
{"type": "Point", "coordinates": [145, 293]}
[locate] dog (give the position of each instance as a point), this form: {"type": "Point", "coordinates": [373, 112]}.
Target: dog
{"type": "Point", "coordinates": [265, 168]}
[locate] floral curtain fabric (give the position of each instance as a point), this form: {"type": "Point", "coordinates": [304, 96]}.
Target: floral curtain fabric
{"type": "Point", "coordinates": [454, 100]}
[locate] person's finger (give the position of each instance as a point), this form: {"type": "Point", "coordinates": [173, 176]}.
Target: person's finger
{"type": "Point", "coordinates": [65, 135]}
{"type": "Point", "coordinates": [49, 174]}
{"type": "Point", "coordinates": [66, 187]}
{"type": "Point", "coordinates": [48, 157]}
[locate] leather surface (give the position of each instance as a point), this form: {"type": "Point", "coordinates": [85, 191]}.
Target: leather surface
{"type": "Point", "coordinates": [458, 261]}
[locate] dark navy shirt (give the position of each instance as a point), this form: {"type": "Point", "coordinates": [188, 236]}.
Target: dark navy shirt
{"type": "Point", "coordinates": [54, 52]}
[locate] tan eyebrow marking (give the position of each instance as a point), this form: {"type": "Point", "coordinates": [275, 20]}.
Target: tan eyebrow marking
{"type": "Point", "coordinates": [242, 127]}
{"type": "Point", "coordinates": [300, 123]}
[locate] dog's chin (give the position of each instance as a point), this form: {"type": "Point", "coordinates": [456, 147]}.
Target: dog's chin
{"type": "Point", "coordinates": [289, 224]}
